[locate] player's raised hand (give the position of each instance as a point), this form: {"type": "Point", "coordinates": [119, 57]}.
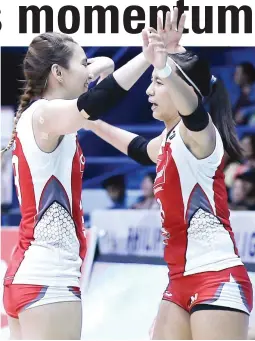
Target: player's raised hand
{"type": "Point", "coordinates": [154, 48]}
{"type": "Point", "coordinates": [171, 34]}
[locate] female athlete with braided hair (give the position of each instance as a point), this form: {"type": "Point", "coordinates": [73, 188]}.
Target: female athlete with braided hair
{"type": "Point", "coordinates": [41, 285]}
{"type": "Point", "coordinates": [209, 295]}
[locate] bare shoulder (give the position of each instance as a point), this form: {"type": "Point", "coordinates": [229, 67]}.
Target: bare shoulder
{"type": "Point", "coordinates": [45, 140]}
{"type": "Point", "coordinates": [59, 117]}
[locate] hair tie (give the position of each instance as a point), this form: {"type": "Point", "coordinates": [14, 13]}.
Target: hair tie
{"type": "Point", "coordinates": [213, 80]}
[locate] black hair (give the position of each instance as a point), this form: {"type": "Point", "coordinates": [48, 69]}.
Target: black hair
{"type": "Point", "coordinates": [248, 70]}
{"type": "Point", "coordinates": [215, 96]}
{"type": "Point", "coordinates": [117, 181]}
{"type": "Point", "coordinates": [151, 175]}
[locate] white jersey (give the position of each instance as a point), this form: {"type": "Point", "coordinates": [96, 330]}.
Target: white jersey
{"type": "Point", "coordinates": [51, 242]}
{"type": "Point", "coordinates": [194, 209]}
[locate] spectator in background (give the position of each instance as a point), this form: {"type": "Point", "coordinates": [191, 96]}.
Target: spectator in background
{"type": "Point", "coordinates": [243, 192]}
{"type": "Point", "coordinates": [147, 200]}
{"type": "Point", "coordinates": [248, 147]}
{"type": "Point", "coordinates": [234, 169]}
{"type": "Point", "coordinates": [116, 190]}
{"type": "Point", "coordinates": [244, 77]}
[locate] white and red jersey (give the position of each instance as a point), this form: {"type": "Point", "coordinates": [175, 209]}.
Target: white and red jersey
{"type": "Point", "coordinates": [194, 210]}
{"type": "Point", "coordinates": [51, 242]}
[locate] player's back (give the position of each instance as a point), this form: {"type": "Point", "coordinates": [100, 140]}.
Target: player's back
{"type": "Point", "coordinates": [51, 238]}
{"type": "Point", "coordinates": [194, 209]}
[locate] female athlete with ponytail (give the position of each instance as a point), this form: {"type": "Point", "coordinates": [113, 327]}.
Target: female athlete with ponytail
{"type": "Point", "coordinates": [209, 295]}
{"type": "Point", "coordinates": [41, 285]}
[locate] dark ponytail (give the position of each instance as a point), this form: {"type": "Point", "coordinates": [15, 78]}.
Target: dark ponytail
{"type": "Point", "coordinates": [221, 113]}
{"type": "Point", "coordinates": [215, 96]}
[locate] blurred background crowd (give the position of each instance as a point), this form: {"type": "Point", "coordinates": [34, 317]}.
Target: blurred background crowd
{"type": "Point", "coordinates": [113, 181]}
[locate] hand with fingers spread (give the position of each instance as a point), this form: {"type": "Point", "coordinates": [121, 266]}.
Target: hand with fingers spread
{"type": "Point", "coordinates": [171, 34]}
{"type": "Point", "coordinates": [154, 48]}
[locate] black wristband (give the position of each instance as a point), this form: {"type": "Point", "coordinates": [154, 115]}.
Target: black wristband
{"type": "Point", "coordinates": [137, 150]}
{"type": "Point", "coordinates": [198, 120]}
{"type": "Point", "coordinates": [98, 100]}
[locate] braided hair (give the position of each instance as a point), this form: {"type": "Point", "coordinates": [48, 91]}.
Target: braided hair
{"type": "Point", "coordinates": [44, 51]}
{"type": "Point", "coordinates": [24, 100]}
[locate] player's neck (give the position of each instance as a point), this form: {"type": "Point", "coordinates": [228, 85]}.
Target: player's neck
{"type": "Point", "coordinates": [54, 93]}
{"type": "Point", "coordinates": [172, 123]}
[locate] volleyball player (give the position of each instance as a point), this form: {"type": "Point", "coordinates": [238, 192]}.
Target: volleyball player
{"type": "Point", "coordinates": [41, 287]}
{"type": "Point", "coordinates": [209, 295]}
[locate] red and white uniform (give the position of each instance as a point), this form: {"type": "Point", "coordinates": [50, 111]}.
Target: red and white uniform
{"type": "Point", "coordinates": [51, 243]}
{"type": "Point", "coordinates": [194, 212]}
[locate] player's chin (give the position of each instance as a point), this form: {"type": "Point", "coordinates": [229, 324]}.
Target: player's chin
{"type": "Point", "coordinates": [157, 115]}
{"type": "Point", "coordinates": [78, 91]}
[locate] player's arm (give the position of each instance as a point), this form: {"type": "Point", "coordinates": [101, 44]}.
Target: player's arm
{"type": "Point", "coordinates": [136, 147]}
{"type": "Point", "coordinates": [197, 129]}
{"type": "Point", "coordinates": [127, 75]}
{"type": "Point", "coordinates": [100, 67]}
{"type": "Point", "coordinates": [59, 117]}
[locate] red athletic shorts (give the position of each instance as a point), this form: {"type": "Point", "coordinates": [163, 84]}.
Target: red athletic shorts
{"type": "Point", "coordinates": [229, 288]}
{"type": "Point", "coordinates": [19, 297]}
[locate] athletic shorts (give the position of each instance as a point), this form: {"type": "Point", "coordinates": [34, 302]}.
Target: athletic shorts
{"type": "Point", "coordinates": [19, 297]}
{"type": "Point", "coordinates": [228, 289]}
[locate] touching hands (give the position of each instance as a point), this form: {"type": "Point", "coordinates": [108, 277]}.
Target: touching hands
{"type": "Point", "coordinates": [154, 49]}
{"type": "Point", "coordinates": [157, 44]}
{"type": "Point", "coordinates": [171, 34]}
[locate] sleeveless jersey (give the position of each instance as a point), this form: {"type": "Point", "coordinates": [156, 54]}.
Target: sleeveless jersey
{"type": "Point", "coordinates": [51, 242]}
{"type": "Point", "coordinates": [194, 210]}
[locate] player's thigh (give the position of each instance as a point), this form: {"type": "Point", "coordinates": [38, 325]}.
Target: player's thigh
{"type": "Point", "coordinates": [172, 323]}
{"type": "Point", "coordinates": [55, 321]}
{"type": "Point", "coordinates": [14, 326]}
{"type": "Point", "coordinates": [219, 325]}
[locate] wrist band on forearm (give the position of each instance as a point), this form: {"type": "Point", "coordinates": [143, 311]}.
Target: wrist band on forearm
{"type": "Point", "coordinates": [166, 72]}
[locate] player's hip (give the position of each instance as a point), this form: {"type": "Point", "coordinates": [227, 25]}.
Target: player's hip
{"type": "Point", "coordinates": [20, 297]}
{"type": "Point", "coordinates": [230, 287]}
